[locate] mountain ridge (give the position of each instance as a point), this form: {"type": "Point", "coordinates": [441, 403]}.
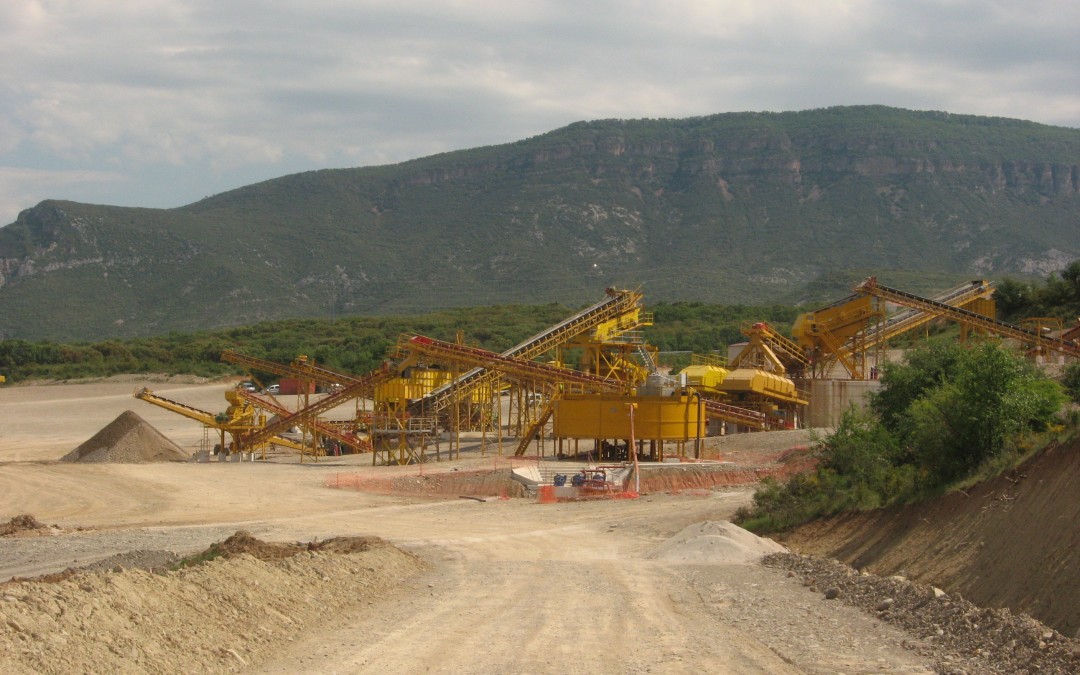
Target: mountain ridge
{"type": "Point", "coordinates": [757, 208]}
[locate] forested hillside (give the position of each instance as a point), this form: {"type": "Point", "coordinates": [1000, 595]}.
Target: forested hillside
{"type": "Point", "coordinates": [756, 208]}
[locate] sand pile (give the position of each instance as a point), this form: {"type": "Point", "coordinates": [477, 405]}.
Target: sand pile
{"type": "Point", "coordinates": [127, 439]}
{"type": "Point", "coordinates": [714, 541]}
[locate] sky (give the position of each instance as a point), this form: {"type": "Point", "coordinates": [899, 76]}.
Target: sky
{"type": "Point", "coordinates": [159, 103]}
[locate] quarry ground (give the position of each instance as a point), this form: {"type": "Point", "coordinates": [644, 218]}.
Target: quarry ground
{"type": "Point", "coordinates": [502, 585]}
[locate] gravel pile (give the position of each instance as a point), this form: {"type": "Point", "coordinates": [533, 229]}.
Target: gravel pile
{"type": "Point", "coordinates": [127, 439]}
{"type": "Point", "coordinates": [960, 636]}
{"type": "Point", "coordinates": [714, 541]}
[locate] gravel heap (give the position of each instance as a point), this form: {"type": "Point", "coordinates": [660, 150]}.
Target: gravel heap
{"type": "Point", "coordinates": [960, 636]}
{"type": "Point", "coordinates": [127, 439]}
{"type": "Point", "coordinates": [714, 541]}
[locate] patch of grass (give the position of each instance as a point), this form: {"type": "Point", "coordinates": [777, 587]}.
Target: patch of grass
{"type": "Point", "coordinates": [212, 553]}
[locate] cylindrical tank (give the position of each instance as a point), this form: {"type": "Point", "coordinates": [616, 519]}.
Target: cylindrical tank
{"type": "Point", "coordinates": [608, 416]}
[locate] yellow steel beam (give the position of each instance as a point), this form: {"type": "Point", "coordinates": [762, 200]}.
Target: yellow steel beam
{"type": "Point", "coordinates": [618, 303]}
{"type": "Point", "coordinates": [915, 317]}
{"type": "Point", "coordinates": [305, 370]}
{"type": "Point", "coordinates": [209, 419]}
{"type": "Point", "coordinates": [964, 316]}
{"type": "Point", "coordinates": [536, 426]}
{"type": "Point", "coordinates": [516, 368]}
{"type": "Point", "coordinates": [206, 418]}
{"type": "Point", "coordinates": [361, 387]}
{"type": "Point", "coordinates": [353, 441]}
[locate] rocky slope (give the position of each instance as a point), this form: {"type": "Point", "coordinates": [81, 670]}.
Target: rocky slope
{"type": "Point", "coordinates": [1009, 542]}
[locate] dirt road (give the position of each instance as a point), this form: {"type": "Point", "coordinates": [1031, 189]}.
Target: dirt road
{"type": "Point", "coordinates": [515, 586]}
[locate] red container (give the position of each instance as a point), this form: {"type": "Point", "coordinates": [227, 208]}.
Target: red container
{"type": "Point", "coordinates": [291, 385]}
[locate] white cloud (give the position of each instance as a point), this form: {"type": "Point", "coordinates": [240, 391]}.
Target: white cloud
{"type": "Point", "coordinates": [197, 91]}
{"type": "Point", "coordinates": [21, 188]}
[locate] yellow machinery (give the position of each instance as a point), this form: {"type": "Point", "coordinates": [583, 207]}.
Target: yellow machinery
{"type": "Point", "coordinates": [615, 347]}
{"type": "Point", "coordinates": [403, 421]}
{"type": "Point", "coordinates": [308, 416]}
{"type": "Point", "coordinates": [847, 331]}
{"type": "Point", "coordinates": [564, 384]}
{"type": "Point", "coordinates": [756, 378]}
{"type": "Point", "coordinates": [1037, 341]}
{"type": "Point", "coordinates": [768, 350]}
{"type": "Point", "coordinates": [241, 417]}
{"type": "Point", "coordinates": [677, 418]}
{"type": "Point", "coordinates": [619, 309]}
{"type": "Point", "coordinates": [832, 333]}
{"type": "Point", "coordinates": [401, 428]}
{"type": "Point", "coordinates": [705, 373]}
{"type": "Point", "coordinates": [305, 370]}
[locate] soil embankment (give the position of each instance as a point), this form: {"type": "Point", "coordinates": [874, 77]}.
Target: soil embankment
{"type": "Point", "coordinates": [1008, 542]}
{"type": "Point", "coordinates": [219, 616]}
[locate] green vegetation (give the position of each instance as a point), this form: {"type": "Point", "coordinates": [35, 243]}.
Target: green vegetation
{"type": "Point", "coordinates": [359, 344]}
{"type": "Point", "coordinates": [1071, 381]}
{"type": "Point", "coordinates": [1058, 297]}
{"type": "Point", "coordinates": [943, 414]}
{"type": "Point", "coordinates": [748, 208]}
{"type": "Point", "coordinates": [212, 553]}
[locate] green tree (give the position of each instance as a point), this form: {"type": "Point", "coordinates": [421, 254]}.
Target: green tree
{"type": "Point", "coordinates": [1071, 381]}
{"type": "Point", "coordinates": [1013, 299]}
{"type": "Point", "coordinates": [904, 383]}
{"type": "Point", "coordinates": [991, 395]}
{"type": "Point", "coordinates": [868, 458]}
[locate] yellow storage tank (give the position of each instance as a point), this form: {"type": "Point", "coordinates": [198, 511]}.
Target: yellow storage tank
{"type": "Point", "coordinates": [671, 418]}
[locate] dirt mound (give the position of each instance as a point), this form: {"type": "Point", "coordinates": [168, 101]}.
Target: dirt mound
{"type": "Point", "coordinates": [243, 543]}
{"type": "Point", "coordinates": [220, 616]}
{"type": "Point", "coordinates": [714, 541]}
{"type": "Point", "coordinates": [1008, 542]}
{"type": "Point", "coordinates": [21, 524]}
{"type": "Point", "coordinates": [127, 439]}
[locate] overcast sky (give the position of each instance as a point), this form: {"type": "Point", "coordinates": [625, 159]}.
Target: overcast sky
{"type": "Point", "coordinates": [162, 102]}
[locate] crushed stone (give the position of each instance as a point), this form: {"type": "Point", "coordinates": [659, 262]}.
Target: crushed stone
{"type": "Point", "coordinates": [127, 439]}
{"type": "Point", "coordinates": [960, 636]}
{"type": "Point", "coordinates": [714, 541]}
